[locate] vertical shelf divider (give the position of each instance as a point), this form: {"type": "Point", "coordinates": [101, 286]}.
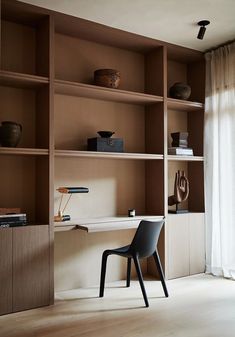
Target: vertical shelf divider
{"type": "Point", "coordinates": [51, 150]}
{"type": "Point", "coordinates": [155, 142]}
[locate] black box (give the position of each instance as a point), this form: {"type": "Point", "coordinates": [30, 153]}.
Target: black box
{"type": "Point", "coordinates": [105, 144]}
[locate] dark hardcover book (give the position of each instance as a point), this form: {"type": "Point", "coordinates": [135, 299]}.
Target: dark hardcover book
{"type": "Point", "coordinates": [12, 224]}
{"type": "Point", "coordinates": [12, 217]}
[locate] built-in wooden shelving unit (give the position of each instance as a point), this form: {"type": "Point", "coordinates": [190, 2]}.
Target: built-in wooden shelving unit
{"type": "Point", "coordinates": [47, 63]}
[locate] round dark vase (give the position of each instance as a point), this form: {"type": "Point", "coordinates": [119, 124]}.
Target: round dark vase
{"type": "Point", "coordinates": [180, 91]}
{"type": "Point", "coordinates": [10, 134]}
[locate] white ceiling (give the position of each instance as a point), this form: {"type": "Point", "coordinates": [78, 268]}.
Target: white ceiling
{"type": "Point", "coordinates": [174, 21]}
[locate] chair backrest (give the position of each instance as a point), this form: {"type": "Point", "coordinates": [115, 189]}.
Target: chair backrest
{"type": "Point", "coordinates": [146, 237]}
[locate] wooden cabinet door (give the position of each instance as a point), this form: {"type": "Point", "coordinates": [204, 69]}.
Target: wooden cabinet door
{"type": "Point", "coordinates": [5, 270]}
{"type": "Point", "coordinates": [30, 267]}
{"type": "Point", "coordinates": [197, 243]}
{"type": "Point", "coordinates": [178, 245]}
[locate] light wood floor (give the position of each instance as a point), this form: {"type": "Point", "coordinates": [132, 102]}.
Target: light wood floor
{"type": "Point", "coordinates": [199, 305]}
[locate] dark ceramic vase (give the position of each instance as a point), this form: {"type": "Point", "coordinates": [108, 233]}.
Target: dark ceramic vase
{"type": "Point", "coordinates": [180, 91]}
{"type": "Point", "coordinates": [10, 134]}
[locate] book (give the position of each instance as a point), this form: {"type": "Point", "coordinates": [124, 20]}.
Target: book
{"type": "Point", "coordinates": [9, 210]}
{"type": "Point", "coordinates": [180, 151]}
{"type": "Point", "coordinates": [11, 218]}
{"type": "Point", "coordinates": [7, 224]}
{"type": "Point", "coordinates": [73, 189]}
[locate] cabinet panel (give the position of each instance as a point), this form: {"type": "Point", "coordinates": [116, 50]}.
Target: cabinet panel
{"type": "Point", "coordinates": [30, 267]}
{"type": "Point", "coordinates": [5, 270]}
{"type": "Point", "coordinates": [186, 244]}
{"type": "Point", "coordinates": [197, 243]}
{"type": "Point", "coordinates": [178, 246]}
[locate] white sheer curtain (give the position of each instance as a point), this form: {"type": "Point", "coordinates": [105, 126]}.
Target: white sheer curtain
{"type": "Point", "coordinates": [220, 161]}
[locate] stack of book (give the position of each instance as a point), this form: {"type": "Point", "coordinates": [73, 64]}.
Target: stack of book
{"type": "Point", "coordinates": [180, 151]}
{"type": "Point", "coordinates": [13, 220]}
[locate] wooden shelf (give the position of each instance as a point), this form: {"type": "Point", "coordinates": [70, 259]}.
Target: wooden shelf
{"type": "Point", "coordinates": [104, 224]}
{"type": "Point", "coordinates": [185, 158]}
{"type": "Point", "coordinates": [19, 80]}
{"type": "Point", "coordinates": [102, 93]}
{"type": "Point", "coordinates": [176, 104]}
{"type": "Point", "coordinates": [23, 151]}
{"type": "Point", "coordinates": [108, 155]}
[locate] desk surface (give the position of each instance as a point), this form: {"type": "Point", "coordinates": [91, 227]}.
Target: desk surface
{"type": "Point", "coordinates": [104, 224]}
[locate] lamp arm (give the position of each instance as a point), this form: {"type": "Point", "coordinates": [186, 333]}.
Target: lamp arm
{"type": "Point", "coordinates": [61, 199]}
{"type": "Point", "coordinates": [67, 203]}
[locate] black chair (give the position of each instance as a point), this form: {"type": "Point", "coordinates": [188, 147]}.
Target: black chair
{"type": "Point", "coordinates": [143, 245]}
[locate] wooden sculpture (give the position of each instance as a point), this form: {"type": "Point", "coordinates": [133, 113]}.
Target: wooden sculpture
{"type": "Point", "coordinates": [181, 192]}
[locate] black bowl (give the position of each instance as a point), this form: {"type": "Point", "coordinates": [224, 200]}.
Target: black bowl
{"type": "Point", "coordinates": [106, 134]}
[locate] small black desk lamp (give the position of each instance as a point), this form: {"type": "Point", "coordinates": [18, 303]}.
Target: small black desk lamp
{"type": "Point", "coordinates": [67, 190]}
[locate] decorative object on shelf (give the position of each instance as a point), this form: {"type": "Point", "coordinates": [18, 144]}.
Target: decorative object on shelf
{"type": "Point", "coordinates": [105, 143]}
{"type": "Point", "coordinates": [10, 133]}
{"type": "Point", "coordinates": [180, 91]}
{"type": "Point", "coordinates": [67, 190]}
{"type": "Point", "coordinates": [179, 145]}
{"type": "Point", "coordinates": [106, 134]}
{"type": "Point", "coordinates": [181, 192]}
{"type": "Point", "coordinates": [131, 212]}
{"type": "Point", "coordinates": [202, 29]}
{"type": "Point", "coordinates": [109, 78]}
{"type": "Point", "coordinates": [179, 139]}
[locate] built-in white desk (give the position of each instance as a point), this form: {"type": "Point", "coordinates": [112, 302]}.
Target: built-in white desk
{"type": "Point", "coordinates": [104, 224]}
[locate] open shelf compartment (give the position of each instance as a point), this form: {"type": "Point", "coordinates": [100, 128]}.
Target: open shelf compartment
{"type": "Point", "coordinates": [27, 187]}
{"type": "Point", "coordinates": [24, 39]}
{"type": "Point", "coordinates": [29, 108]}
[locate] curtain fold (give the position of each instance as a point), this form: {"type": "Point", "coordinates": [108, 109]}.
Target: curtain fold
{"type": "Point", "coordinates": [219, 150]}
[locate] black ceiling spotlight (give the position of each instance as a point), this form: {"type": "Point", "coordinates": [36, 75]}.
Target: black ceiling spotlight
{"type": "Point", "coordinates": [202, 29]}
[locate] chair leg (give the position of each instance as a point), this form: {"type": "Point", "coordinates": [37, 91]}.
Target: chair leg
{"type": "Point", "coordinates": [103, 272]}
{"type": "Point", "coordinates": [140, 277]}
{"type": "Point", "coordinates": [128, 273]}
{"type": "Point", "coordinates": [160, 271]}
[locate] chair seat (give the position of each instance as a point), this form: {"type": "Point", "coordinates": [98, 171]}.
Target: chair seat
{"type": "Point", "coordinates": [122, 251]}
